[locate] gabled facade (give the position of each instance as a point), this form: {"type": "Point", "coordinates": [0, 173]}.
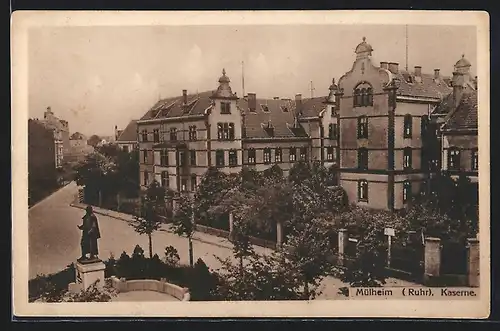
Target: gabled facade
{"type": "Point", "coordinates": [383, 118]}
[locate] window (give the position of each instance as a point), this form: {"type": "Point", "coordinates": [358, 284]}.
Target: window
{"type": "Point", "coordinates": [125, 149]}
{"type": "Point", "coordinates": [251, 156]}
{"type": "Point", "coordinates": [146, 178]}
{"type": "Point", "coordinates": [277, 155]}
{"type": "Point", "coordinates": [475, 160]}
{"type": "Point", "coordinates": [407, 153]}
{"type": "Point", "coordinates": [453, 158]}
{"type": "Point", "coordinates": [192, 132]}
{"type": "Point", "coordinates": [284, 109]}
{"type": "Point", "coordinates": [329, 153]}
{"type": "Point", "coordinates": [164, 157]}
{"type": "Point", "coordinates": [362, 158]}
{"type": "Point", "coordinates": [293, 154]}
{"type": "Point", "coordinates": [173, 134]}
{"type": "Point", "coordinates": [333, 131]}
{"type": "Point", "coordinates": [333, 111]}
{"type": "Point", "coordinates": [303, 153]}
{"type": "Point", "coordinates": [362, 127]}
{"type": "Point", "coordinates": [225, 108]}
{"type": "Point", "coordinates": [156, 135]}
{"type": "Point", "coordinates": [184, 184]}
{"type": "Point", "coordinates": [145, 156]}
{"type": "Point", "coordinates": [264, 108]}
{"type": "Point", "coordinates": [407, 126]}
{"type": "Point", "coordinates": [164, 179]}
{"type": "Point", "coordinates": [267, 155]}
{"type": "Point", "coordinates": [233, 158]}
{"type": "Point", "coordinates": [363, 95]}
{"type": "Point", "coordinates": [406, 191]}
{"type": "Point", "coordinates": [182, 157]}
{"type": "Point", "coordinates": [219, 158]}
{"type": "Point", "coordinates": [193, 182]}
{"type": "Point", "coordinates": [363, 190]}
{"type": "Point", "coordinates": [144, 135]}
{"type": "Point", "coordinates": [192, 157]}
{"type": "Point", "coordinates": [225, 131]}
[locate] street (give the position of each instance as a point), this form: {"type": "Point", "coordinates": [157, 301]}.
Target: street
{"type": "Point", "coordinates": [54, 240]}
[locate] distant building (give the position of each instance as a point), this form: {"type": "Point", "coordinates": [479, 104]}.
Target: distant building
{"type": "Point", "coordinates": [459, 130]}
{"type": "Point", "coordinates": [60, 129]}
{"type": "Point", "coordinates": [127, 138]}
{"type": "Point", "coordinates": [79, 148]}
{"type": "Point", "coordinates": [41, 158]}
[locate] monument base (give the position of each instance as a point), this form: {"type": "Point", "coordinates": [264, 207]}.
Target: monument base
{"type": "Point", "coordinates": [87, 273]}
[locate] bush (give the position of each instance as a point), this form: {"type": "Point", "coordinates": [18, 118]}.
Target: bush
{"type": "Point", "coordinates": [50, 288]}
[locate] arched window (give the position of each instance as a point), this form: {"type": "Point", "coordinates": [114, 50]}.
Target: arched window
{"type": "Point", "coordinates": [369, 91]}
{"type": "Point", "coordinates": [406, 191]}
{"type": "Point", "coordinates": [407, 127]}
{"type": "Point", "coordinates": [363, 95]}
{"type": "Point", "coordinates": [355, 98]}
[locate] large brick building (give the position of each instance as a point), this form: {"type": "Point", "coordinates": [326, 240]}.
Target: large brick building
{"type": "Point", "coordinates": [180, 137]}
{"type": "Point", "coordinates": [379, 125]}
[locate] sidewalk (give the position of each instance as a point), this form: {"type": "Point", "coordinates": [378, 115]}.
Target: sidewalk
{"type": "Point", "coordinates": [198, 236]}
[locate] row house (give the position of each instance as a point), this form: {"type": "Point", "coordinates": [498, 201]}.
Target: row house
{"type": "Point", "coordinates": [180, 137]}
{"type": "Point", "coordinates": [387, 144]}
{"type": "Point", "coordinates": [61, 134]}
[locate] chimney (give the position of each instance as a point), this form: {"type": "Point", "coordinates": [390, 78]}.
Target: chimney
{"type": "Point", "coordinates": [252, 101]}
{"type": "Point", "coordinates": [418, 71]}
{"type": "Point", "coordinates": [184, 97]}
{"type": "Point", "coordinates": [457, 84]}
{"type": "Point", "coordinates": [298, 105]}
{"type": "Point", "coordinates": [436, 73]}
{"type": "Point", "coordinates": [393, 67]}
{"type": "Point", "coordinates": [384, 65]}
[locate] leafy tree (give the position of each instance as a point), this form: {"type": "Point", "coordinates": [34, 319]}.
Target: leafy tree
{"type": "Point", "coordinates": [93, 140]}
{"type": "Point", "coordinates": [172, 257]}
{"type": "Point", "coordinates": [307, 251]}
{"type": "Point", "coordinates": [299, 172]}
{"type": "Point", "coordinates": [183, 222]}
{"type": "Point", "coordinates": [148, 219]}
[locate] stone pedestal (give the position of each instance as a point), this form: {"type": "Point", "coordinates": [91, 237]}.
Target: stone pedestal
{"type": "Point", "coordinates": [87, 273]}
{"type": "Point", "coordinates": [473, 266]}
{"type": "Point", "coordinates": [432, 258]}
{"type": "Point", "coordinates": [342, 241]}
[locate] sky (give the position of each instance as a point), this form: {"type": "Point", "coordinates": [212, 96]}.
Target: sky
{"type": "Point", "coordinates": [99, 77]}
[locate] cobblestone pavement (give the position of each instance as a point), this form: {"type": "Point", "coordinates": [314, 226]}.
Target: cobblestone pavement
{"type": "Point", "coordinates": [54, 239]}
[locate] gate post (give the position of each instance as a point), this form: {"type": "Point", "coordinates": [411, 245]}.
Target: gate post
{"type": "Point", "coordinates": [432, 259]}
{"type": "Point", "coordinates": [473, 262]}
{"type": "Point", "coordinates": [342, 242]}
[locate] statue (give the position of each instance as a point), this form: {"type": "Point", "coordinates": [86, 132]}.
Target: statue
{"type": "Point", "coordinates": [90, 235]}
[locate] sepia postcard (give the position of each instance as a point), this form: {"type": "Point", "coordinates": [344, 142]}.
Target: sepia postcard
{"type": "Point", "coordinates": [250, 164]}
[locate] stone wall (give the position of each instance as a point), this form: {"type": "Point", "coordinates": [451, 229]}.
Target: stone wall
{"type": "Point", "coordinates": [123, 285]}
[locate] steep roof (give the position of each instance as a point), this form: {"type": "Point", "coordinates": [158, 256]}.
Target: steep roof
{"type": "Point", "coordinates": [446, 104]}
{"type": "Point", "coordinates": [311, 107]}
{"type": "Point", "coordinates": [270, 111]}
{"type": "Point", "coordinates": [464, 117]}
{"type": "Point", "coordinates": [427, 87]}
{"type": "Point", "coordinates": [129, 133]}
{"type": "Point", "coordinates": [173, 107]}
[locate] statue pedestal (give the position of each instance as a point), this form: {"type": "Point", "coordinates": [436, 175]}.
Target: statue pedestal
{"type": "Point", "coordinates": [87, 273]}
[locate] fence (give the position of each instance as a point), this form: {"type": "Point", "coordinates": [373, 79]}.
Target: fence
{"type": "Point", "coordinates": [408, 258]}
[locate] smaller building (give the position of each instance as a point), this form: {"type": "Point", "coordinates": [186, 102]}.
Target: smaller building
{"type": "Point", "coordinates": [61, 134]}
{"type": "Point", "coordinates": [127, 139]}
{"type": "Point", "coordinates": [79, 148]}
{"type": "Point", "coordinates": [459, 131]}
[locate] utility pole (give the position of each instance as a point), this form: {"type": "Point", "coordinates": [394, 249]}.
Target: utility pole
{"type": "Point", "coordinates": [406, 38]}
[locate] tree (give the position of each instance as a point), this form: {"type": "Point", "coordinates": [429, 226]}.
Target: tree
{"type": "Point", "coordinates": [183, 222]}
{"type": "Point", "coordinates": [94, 140]}
{"type": "Point", "coordinates": [307, 252]}
{"type": "Point", "coordinates": [148, 219]}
